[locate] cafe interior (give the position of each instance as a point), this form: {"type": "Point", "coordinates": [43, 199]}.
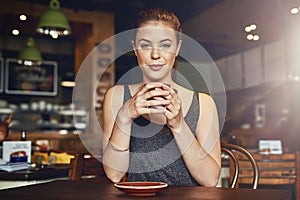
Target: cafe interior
{"type": "Point", "coordinates": [253, 43]}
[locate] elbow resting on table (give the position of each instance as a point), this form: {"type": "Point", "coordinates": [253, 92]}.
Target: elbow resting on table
{"type": "Point", "coordinates": [114, 177]}
{"type": "Point", "coordinates": [211, 182]}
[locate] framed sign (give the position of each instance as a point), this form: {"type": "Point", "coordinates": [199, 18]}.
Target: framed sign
{"type": "Point", "coordinates": [25, 80]}
{"type": "Point", "coordinates": [1, 75]}
{"type": "Point", "coordinates": [270, 146]}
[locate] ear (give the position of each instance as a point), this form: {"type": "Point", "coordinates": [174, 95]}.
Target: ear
{"type": "Point", "coordinates": [178, 47]}
{"type": "Point", "coordinates": [133, 47]}
{"type": "Point", "coordinates": [8, 119]}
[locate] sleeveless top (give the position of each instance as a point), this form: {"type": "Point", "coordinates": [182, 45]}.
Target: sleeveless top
{"type": "Point", "coordinates": [154, 154]}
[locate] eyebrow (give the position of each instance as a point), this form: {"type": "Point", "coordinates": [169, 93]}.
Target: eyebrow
{"type": "Point", "coordinates": [146, 40]}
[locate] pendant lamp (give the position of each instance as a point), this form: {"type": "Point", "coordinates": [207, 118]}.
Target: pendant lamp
{"type": "Point", "coordinates": [54, 22]}
{"type": "Point", "coordinates": [68, 80]}
{"type": "Point", "coordinates": [30, 55]}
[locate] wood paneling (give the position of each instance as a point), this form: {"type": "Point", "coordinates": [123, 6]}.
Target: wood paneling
{"type": "Point", "coordinates": [274, 170]}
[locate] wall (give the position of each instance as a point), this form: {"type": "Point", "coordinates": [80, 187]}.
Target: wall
{"type": "Point", "coordinates": [88, 30]}
{"type": "Point", "coordinates": [267, 75]}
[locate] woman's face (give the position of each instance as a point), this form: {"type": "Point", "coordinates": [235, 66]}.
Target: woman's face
{"type": "Point", "coordinates": [156, 48]}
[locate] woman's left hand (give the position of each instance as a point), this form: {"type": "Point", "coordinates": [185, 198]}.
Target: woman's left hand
{"type": "Point", "coordinates": [174, 110]}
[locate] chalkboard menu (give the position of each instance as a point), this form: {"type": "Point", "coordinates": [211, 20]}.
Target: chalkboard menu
{"type": "Point", "coordinates": [31, 80]}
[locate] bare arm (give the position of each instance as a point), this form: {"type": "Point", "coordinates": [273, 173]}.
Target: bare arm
{"type": "Point", "coordinates": [117, 120]}
{"type": "Point", "coordinates": [201, 154]}
{"type": "Point", "coordinates": [115, 138]}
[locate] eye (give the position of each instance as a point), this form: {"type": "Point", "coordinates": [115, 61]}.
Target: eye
{"type": "Point", "coordinates": [165, 46]}
{"type": "Point", "coordinates": [145, 46]}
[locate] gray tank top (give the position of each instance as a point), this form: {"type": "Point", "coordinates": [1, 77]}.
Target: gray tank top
{"type": "Point", "coordinates": [154, 154]}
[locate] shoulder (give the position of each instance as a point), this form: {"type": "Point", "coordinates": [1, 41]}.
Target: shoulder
{"type": "Point", "coordinates": [206, 103]}
{"type": "Point", "coordinates": [114, 90]}
{"type": "Point", "coordinates": [113, 101]}
{"type": "Point", "coordinates": [204, 97]}
{"type": "Point", "coordinates": [112, 96]}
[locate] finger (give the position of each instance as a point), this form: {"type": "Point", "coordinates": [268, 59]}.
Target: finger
{"type": "Point", "coordinates": [168, 114]}
{"type": "Point", "coordinates": [145, 87]}
{"type": "Point", "coordinates": [150, 110]}
{"type": "Point", "coordinates": [157, 110]}
{"type": "Point", "coordinates": [174, 106]}
{"type": "Point", "coordinates": [173, 92]}
{"type": "Point", "coordinates": [153, 103]}
{"type": "Point", "coordinates": [156, 94]}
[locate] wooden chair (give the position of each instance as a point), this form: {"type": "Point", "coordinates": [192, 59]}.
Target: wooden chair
{"type": "Point", "coordinates": [275, 171]}
{"type": "Point", "coordinates": [235, 166]}
{"type": "Point", "coordinates": [85, 166]}
{"type": "Point", "coordinates": [281, 171]}
{"type": "Point", "coordinates": [297, 187]}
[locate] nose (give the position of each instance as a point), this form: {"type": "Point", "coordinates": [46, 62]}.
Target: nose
{"type": "Point", "coordinates": [155, 54]}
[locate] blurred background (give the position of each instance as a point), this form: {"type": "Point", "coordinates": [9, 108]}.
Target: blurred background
{"type": "Point", "coordinates": [254, 44]}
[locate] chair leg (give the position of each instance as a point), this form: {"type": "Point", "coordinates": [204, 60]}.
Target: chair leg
{"type": "Point", "coordinates": [77, 167]}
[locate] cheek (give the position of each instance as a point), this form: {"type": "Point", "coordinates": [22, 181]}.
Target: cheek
{"type": "Point", "coordinates": [170, 58]}
{"type": "Point", "coordinates": [142, 57]}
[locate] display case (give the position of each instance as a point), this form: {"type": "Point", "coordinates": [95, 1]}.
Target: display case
{"type": "Point", "coordinates": [46, 120]}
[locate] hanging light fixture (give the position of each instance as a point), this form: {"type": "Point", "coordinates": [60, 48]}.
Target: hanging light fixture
{"type": "Point", "coordinates": [68, 80]}
{"type": "Point", "coordinates": [30, 55]}
{"type": "Point", "coordinates": [54, 22]}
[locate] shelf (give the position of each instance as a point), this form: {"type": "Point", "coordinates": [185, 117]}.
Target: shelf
{"type": "Point", "coordinates": [47, 126]}
{"type": "Point", "coordinates": [44, 120]}
{"type": "Point", "coordinates": [60, 112]}
{"type": "Point", "coordinates": [6, 110]}
{"type": "Point", "coordinates": [73, 112]}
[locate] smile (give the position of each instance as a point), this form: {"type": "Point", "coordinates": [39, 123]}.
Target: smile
{"type": "Point", "coordinates": [156, 67]}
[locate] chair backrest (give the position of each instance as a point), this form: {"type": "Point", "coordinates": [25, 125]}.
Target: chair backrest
{"type": "Point", "coordinates": [274, 169]}
{"type": "Point", "coordinates": [297, 175]}
{"type": "Point", "coordinates": [85, 166]}
{"type": "Point", "coordinates": [232, 150]}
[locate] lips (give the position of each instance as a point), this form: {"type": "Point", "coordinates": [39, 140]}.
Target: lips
{"type": "Point", "coordinates": [156, 67]}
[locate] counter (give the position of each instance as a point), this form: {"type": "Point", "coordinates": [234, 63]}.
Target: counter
{"type": "Point", "coordinates": [69, 142]}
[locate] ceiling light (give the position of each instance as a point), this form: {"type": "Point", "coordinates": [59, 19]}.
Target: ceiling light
{"type": "Point", "coordinates": [15, 32]}
{"type": "Point", "coordinates": [23, 17]}
{"type": "Point", "coordinates": [256, 37]}
{"type": "Point", "coordinates": [249, 37]}
{"type": "Point", "coordinates": [248, 29]}
{"type": "Point", "coordinates": [54, 22]}
{"type": "Point", "coordinates": [30, 55]}
{"type": "Point", "coordinates": [68, 83]}
{"type": "Point", "coordinates": [68, 80]}
{"type": "Point", "coordinates": [294, 10]}
{"type": "Point", "coordinates": [253, 27]}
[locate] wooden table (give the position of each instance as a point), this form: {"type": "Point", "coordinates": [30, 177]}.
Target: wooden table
{"type": "Point", "coordinates": [103, 189]}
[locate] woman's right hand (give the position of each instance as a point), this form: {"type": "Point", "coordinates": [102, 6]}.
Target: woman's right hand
{"type": "Point", "coordinates": [149, 98]}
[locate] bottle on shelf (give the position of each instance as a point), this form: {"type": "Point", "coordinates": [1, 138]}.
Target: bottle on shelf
{"type": "Point", "coordinates": [23, 135]}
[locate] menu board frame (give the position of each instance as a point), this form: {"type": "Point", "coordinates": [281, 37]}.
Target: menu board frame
{"type": "Point", "coordinates": [37, 80]}
{"type": "Point", "coordinates": [1, 75]}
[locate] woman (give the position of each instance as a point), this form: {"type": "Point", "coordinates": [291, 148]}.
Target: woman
{"type": "Point", "coordinates": [159, 130]}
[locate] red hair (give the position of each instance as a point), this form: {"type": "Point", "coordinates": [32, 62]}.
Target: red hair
{"type": "Point", "coordinates": [158, 15]}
